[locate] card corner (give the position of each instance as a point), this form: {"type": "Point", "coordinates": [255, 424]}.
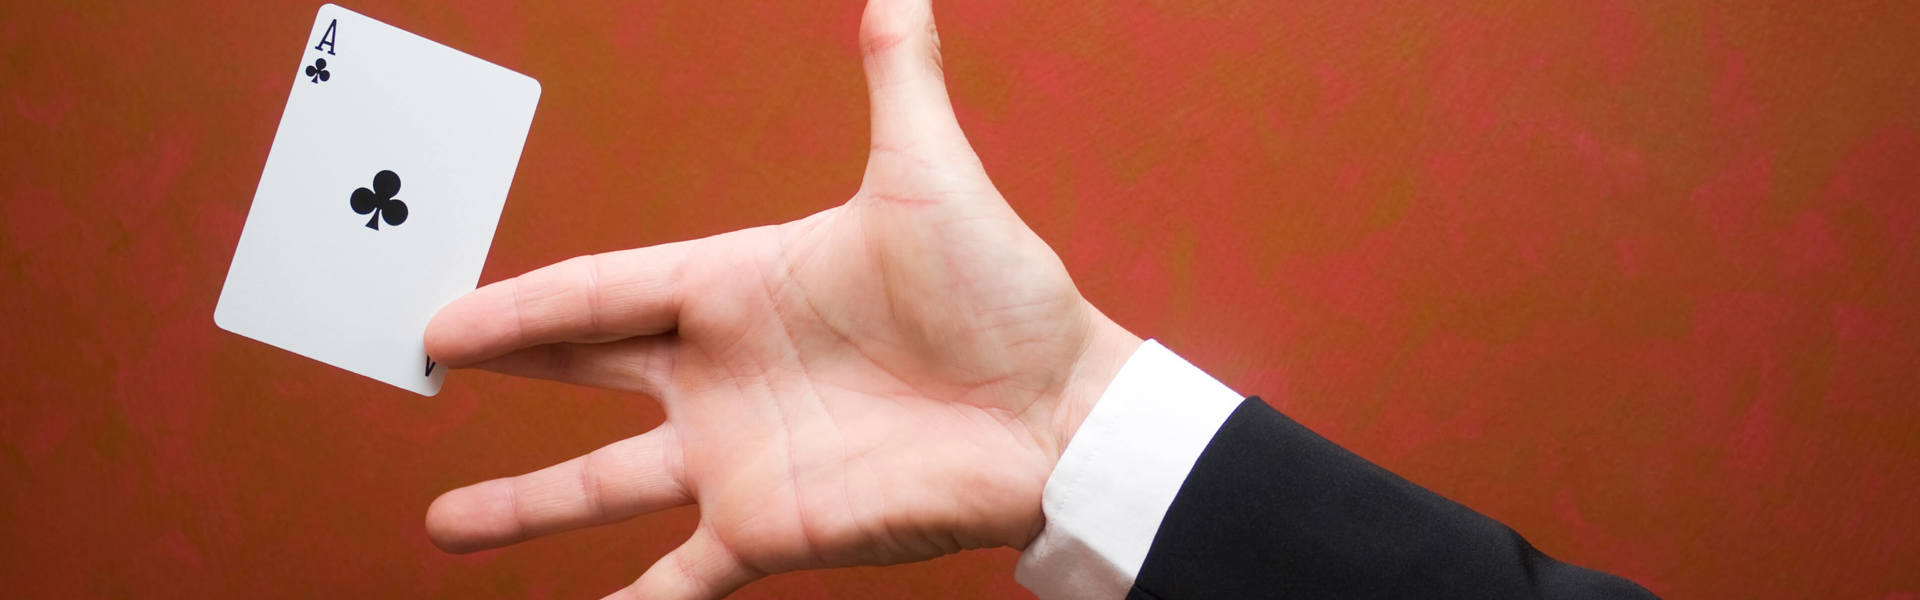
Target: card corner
{"type": "Point", "coordinates": [221, 319]}
{"type": "Point", "coordinates": [535, 83]}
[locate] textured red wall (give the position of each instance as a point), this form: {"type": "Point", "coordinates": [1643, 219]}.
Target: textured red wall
{"type": "Point", "coordinates": [1637, 278]}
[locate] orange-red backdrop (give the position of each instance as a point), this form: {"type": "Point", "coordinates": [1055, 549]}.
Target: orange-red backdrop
{"type": "Point", "coordinates": [1636, 277]}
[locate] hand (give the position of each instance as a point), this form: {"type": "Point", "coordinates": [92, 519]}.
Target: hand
{"type": "Point", "coordinates": [886, 381]}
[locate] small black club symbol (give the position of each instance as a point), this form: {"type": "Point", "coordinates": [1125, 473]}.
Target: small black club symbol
{"type": "Point", "coordinates": [318, 70]}
{"type": "Point", "coordinates": [380, 201]}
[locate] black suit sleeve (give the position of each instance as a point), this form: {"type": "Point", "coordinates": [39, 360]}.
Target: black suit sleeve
{"type": "Point", "coordinates": [1272, 510]}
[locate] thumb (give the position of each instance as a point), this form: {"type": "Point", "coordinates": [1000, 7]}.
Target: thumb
{"type": "Point", "coordinates": [905, 84]}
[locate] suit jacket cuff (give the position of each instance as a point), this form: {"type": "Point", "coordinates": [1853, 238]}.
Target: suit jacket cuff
{"type": "Point", "coordinates": [1117, 476]}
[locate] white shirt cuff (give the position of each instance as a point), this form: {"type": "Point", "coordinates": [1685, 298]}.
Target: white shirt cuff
{"type": "Point", "coordinates": [1119, 473]}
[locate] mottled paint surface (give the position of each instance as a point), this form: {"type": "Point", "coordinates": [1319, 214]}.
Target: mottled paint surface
{"type": "Point", "coordinates": [1637, 278]}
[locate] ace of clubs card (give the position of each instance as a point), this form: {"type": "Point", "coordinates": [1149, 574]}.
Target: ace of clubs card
{"type": "Point", "coordinates": [379, 199]}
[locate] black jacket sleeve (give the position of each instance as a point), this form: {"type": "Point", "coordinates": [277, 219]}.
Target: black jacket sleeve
{"type": "Point", "coordinates": [1272, 510]}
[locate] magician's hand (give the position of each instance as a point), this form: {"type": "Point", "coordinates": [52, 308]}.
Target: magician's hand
{"type": "Point", "coordinates": [888, 380]}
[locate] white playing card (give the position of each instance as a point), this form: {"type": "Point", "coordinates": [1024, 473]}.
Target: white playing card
{"type": "Point", "coordinates": [379, 198]}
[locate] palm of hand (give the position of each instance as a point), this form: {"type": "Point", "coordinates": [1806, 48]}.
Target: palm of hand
{"type": "Point", "coordinates": [836, 409]}
{"type": "Point", "coordinates": [885, 381]}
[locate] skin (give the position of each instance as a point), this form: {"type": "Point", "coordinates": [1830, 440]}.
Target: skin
{"type": "Point", "coordinates": [886, 381]}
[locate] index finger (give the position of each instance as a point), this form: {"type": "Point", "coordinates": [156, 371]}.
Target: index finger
{"type": "Point", "coordinates": [593, 298]}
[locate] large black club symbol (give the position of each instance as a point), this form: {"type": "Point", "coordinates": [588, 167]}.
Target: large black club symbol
{"type": "Point", "coordinates": [380, 201]}
{"type": "Point", "coordinates": [318, 70]}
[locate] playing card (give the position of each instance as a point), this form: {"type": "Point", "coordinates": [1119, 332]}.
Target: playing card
{"type": "Point", "coordinates": [379, 198]}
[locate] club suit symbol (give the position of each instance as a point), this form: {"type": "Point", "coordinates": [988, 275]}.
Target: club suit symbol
{"type": "Point", "coordinates": [318, 70]}
{"type": "Point", "coordinates": [380, 201]}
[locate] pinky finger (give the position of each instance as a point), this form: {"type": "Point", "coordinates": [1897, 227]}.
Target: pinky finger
{"type": "Point", "coordinates": [700, 569]}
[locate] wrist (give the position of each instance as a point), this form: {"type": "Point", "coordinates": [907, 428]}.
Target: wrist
{"type": "Point", "coordinates": [1107, 349]}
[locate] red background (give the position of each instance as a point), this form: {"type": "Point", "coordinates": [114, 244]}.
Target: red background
{"type": "Point", "coordinates": [1637, 278]}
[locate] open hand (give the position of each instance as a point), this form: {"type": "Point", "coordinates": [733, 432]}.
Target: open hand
{"type": "Point", "coordinates": [885, 381]}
